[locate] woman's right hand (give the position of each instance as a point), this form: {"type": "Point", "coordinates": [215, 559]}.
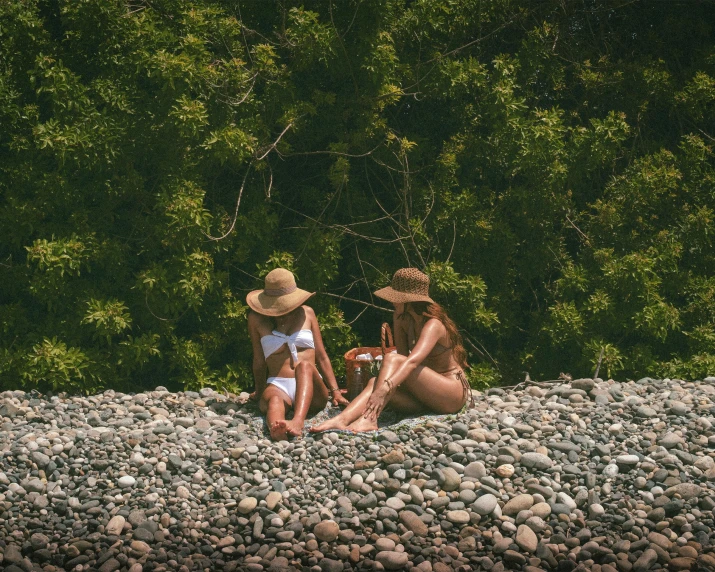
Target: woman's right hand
{"type": "Point", "coordinates": [376, 403]}
{"type": "Point", "coordinates": [338, 399]}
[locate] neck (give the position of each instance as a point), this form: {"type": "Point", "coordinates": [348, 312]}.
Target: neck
{"type": "Point", "coordinates": [282, 321]}
{"type": "Point", "coordinates": [415, 316]}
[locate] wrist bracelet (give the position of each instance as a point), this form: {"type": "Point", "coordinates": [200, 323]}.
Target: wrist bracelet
{"type": "Point", "coordinates": [334, 390]}
{"type": "Point", "coordinates": [390, 385]}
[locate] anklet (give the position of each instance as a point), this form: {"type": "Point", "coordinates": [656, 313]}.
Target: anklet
{"type": "Point", "coordinates": [390, 385]}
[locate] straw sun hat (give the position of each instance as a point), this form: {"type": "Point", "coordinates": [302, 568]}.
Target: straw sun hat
{"type": "Point", "coordinates": [408, 285]}
{"type": "Point", "coordinates": [280, 295]}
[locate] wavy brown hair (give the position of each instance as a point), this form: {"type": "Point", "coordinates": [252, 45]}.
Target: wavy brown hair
{"type": "Point", "coordinates": [434, 310]}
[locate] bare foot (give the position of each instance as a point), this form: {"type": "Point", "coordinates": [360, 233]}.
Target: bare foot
{"type": "Point", "coordinates": [279, 431]}
{"type": "Point", "coordinates": [329, 425]}
{"type": "Point", "coordinates": [360, 425]}
{"type": "Point", "coordinates": [294, 428]}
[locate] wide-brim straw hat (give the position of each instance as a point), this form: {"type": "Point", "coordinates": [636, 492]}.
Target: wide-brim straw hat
{"type": "Point", "coordinates": [280, 295]}
{"type": "Point", "coordinates": [408, 285]}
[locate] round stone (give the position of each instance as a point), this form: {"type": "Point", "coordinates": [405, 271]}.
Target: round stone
{"type": "Point", "coordinates": [126, 481]}
{"type": "Point", "coordinates": [505, 471]}
{"type": "Point", "coordinates": [247, 505]}
{"type": "Point", "coordinates": [596, 511]}
{"type": "Point", "coordinates": [327, 530]}
{"type": "Point", "coordinates": [627, 461]}
{"type": "Point", "coordinates": [384, 544]}
{"type": "Point", "coordinates": [526, 538]}
{"type": "Point", "coordinates": [517, 504]}
{"type": "Point", "coordinates": [452, 480]}
{"type": "Point", "coordinates": [458, 516]}
{"type": "Point", "coordinates": [115, 525]}
{"type": "Point", "coordinates": [356, 482]}
{"type": "Point", "coordinates": [610, 471]}
{"type": "Point", "coordinates": [392, 560]}
{"type": "Point", "coordinates": [475, 470]}
{"type": "Point", "coordinates": [541, 509]}
{"type": "Point", "coordinates": [395, 503]}
{"type": "Point", "coordinates": [536, 461]}
{"type": "Point", "coordinates": [485, 504]}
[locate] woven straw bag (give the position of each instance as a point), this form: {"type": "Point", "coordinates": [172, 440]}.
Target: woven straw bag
{"type": "Point", "coordinates": [387, 345]}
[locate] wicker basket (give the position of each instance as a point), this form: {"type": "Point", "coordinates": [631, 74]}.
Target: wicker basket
{"type": "Point", "coordinates": [387, 346]}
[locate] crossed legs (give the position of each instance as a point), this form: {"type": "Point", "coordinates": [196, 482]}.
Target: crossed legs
{"type": "Point", "coordinates": [311, 395]}
{"type": "Point", "coordinates": [423, 390]}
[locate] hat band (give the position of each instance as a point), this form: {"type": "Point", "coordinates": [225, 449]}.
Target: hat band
{"type": "Point", "coordinates": [280, 291]}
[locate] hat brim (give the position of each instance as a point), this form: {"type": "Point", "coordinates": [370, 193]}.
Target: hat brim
{"type": "Point", "coordinates": [266, 305]}
{"type": "Point", "coordinates": [397, 297]}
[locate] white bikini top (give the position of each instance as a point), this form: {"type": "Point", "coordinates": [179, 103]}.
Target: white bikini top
{"type": "Point", "coordinates": [275, 340]}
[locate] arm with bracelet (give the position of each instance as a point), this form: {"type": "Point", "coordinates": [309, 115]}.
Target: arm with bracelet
{"type": "Point", "coordinates": [326, 368]}
{"type": "Point", "coordinates": [260, 370]}
{"type": "Point", "coordinates": [426, 373]}
{"type": "Point", "coordinates": [394, 372]}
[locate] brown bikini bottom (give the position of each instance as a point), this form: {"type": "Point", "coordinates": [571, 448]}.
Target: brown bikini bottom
{"type": "Point", "coordinates": [466, 389]}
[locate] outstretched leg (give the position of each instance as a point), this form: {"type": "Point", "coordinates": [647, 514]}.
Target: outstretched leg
{"type": "Point", "coordinates": [400, 400]}
{"type": "Point", "coordinates": [273, 404]}
{"type": "Point", "coordinates": [424, 389]}
{"type": "Point", "coordinates": [349, 414]}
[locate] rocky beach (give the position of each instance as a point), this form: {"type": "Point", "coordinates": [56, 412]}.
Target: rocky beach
{"type": "Point", "coordinates": [582, 475]}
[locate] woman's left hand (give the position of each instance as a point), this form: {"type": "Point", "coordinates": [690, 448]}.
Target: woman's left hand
{"type": "Point", "coordinates": [338, 399]}
{"type": "Point", "coordinates": [376, 404]}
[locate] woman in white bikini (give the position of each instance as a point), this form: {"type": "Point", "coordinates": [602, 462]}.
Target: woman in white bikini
{"type": "Point", "coordinates": [426, 373]}
{"type": "Point", "coordinates": [286, 346]}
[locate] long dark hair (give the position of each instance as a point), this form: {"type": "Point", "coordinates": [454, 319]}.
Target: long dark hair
{"type": "Point", "coordinates": [434, 310]}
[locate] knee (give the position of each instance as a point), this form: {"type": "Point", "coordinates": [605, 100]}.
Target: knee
{"type": "Point", "coordinates": [304, 368]}
{"type": "Point", "coordinates": [275, 400]}
{"type": "Point", "coordinates": [393, 358]}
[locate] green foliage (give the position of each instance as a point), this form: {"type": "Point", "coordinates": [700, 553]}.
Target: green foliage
{"type": "Point", "coordinates": [550, 165]}
{"type": "Point", "coordinates": [482, 376]}
{"type": "Point", "coordinates": [51, 364]}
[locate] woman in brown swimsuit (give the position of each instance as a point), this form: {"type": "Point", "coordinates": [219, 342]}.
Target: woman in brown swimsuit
{"type": "Point", "coordinates": [426, 373]}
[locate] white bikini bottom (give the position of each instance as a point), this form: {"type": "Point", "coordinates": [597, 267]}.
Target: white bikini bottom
{"type": "Point", "coordinates": [285, 384]}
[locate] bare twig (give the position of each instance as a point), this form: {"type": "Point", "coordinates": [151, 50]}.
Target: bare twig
{"type": "Point", "coordinates": [355, 319]}
{"type": "Point", "coordinates": [362, 269]}
{"type": "Point", "coordinates": [345, 52]}
{"type": "Point", "coordinates": [454, 239]}
{"type": "Point", "coordinates": [357, 301]}
{"type": "Point", "coordinates": [476, 41]}
{"type": "Point", "coordinates": [270, 180]}
{"type": "Point", "coordinates": [598, 365]}
{"type": "Point", "coordinates": [146, 302]}
{"type": "Point", "coordinates": [235, 214]}
{"type": "Point", "coordinates": [344, 228]}
{"type": "Point", "coordinates": [345, 33]}
{"type": "Point", "coordinates": [244, 272]}
{"type": "Point", "coordinates": [338, 153]}
{"type": "Point", "coordinates": [583, 235]}
{"type": "Point", "coordinates": [273, 145]}
{"type": "Point", "coordinates": [483, 351]}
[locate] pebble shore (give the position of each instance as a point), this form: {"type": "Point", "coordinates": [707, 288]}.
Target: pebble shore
{"type": "Point", "coordinates": [583, 475]}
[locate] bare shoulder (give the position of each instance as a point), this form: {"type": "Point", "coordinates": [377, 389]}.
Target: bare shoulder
{"type": "Point", "coordinates": [309, 315]}
{"type": "Point", "coordinates": [256, 320]}
{"type": "Point", "coordinates": [434, 325]}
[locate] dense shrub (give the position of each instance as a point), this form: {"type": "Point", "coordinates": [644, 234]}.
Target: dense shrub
{"type": "Point", "coordinates": [549, 164]}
